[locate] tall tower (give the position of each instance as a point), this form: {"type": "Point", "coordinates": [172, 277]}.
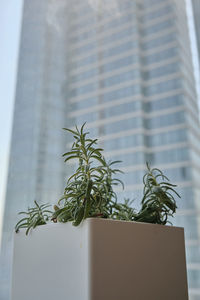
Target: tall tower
{"type": "Point", "coordinates": [124, 67]}
{"type": "Point", "coordinates": [36, 169]}
{"type": "Point", "coordinates": [132, 79]}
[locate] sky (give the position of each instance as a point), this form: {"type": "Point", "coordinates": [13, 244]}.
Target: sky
{"type": "Point", "coordinates": [10, 26]}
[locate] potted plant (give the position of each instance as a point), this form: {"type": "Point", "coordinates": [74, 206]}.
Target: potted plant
{"type": "Point", "coordinates": [99, 248]}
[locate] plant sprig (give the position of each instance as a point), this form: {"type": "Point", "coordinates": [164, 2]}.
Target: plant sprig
{"type": "Point", "coordinates": [89, 190]}
{"type": "Point", "coordinates": [38, 215]}
{"type": "Point", "coordinates": [158, 202]}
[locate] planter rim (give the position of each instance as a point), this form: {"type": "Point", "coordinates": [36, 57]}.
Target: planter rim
{"type": "Point", "coordinates": [94, 220]}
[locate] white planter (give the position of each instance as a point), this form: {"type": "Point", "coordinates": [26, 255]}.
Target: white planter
{"type": "Point", "coordinates": [100, 260]}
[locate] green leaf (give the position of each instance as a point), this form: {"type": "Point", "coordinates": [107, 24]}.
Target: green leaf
{"type": "Point", "coordinates": [115, 162]}
{"type": "Point", "coordinates": [71, 157]}
{"type": "Point", "coordinates": [91, 143]}
{"type": "Point", "coordinates": [82, 127]}
{"type": "Point", "coordinates": [77, 130]}
{"type": "Point", "coordinates": [71, 152]}
{"type": "Point", "coordinates": [79, 216]}
{"type": "Point", "coordinates": [71, 177]}
{"type": "Point", "coordinates": [99, 159]}
{"type": "Point", "coordinates": [96, 151]}
{"type": "Point", "coordinates": [120, 181]}
{"type": "Point", "coordinates": [117, 171]}
{"type": "Point", "coordinates": [72, 131]}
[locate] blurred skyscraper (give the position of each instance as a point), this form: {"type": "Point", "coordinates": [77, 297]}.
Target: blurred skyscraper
{"type": "Point", "coordinates": [36, 168]}
{"type": "Point", "coordinates": [126, 68]}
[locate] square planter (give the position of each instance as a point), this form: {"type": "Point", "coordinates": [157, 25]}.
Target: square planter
{"type": "Point", "coordinates": [100, 260]}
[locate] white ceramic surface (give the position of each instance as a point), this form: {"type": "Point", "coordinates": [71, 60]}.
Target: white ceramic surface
{"type": "Point", "coordinates": [100, 260]}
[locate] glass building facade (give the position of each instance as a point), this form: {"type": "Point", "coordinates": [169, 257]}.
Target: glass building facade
{"type": "Point", "coordinates": [36, 168]}
{"type": "Point", "coordinates": [124, 67]}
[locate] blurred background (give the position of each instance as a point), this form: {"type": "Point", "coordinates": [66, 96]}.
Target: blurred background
{"type": "Point", "coordinates": [130, 69]}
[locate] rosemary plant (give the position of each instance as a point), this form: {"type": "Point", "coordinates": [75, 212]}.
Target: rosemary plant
{"type": "Point", "coordinates": [158, 202]}
{"type": "Point", "coordinates": [38, 215]}
{"type": "Point", "coordinates": [89, 190]}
